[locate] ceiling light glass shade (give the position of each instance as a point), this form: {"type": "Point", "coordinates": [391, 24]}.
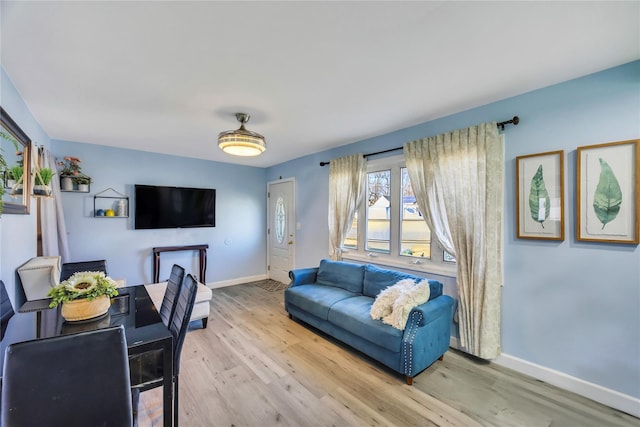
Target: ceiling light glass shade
{"type": "Point", "coordinates": [242, 142]}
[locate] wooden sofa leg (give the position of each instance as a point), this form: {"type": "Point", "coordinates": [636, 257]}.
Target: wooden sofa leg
{"type": "Point", "coordinates": [204, 322]}
{"type": "Point", "coordinates": [409, 380]}
{"type": "Point", "coordinates": [441, 358]}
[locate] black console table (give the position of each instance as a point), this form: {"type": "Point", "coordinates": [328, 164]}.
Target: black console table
{"type": "Point", "coordinates": [202, 249]}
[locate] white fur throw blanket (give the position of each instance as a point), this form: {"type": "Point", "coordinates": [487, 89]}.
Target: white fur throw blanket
{"type": "Point", "coordinates": [394, 303]}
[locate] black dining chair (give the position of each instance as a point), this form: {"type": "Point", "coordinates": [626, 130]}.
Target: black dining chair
{"type": "Point", "coordinates": [69, 268]}
{"type": "Point", "coordinates": [170, 299]}
{"type": "Point", "coordinates": [70, 380]}
{"type": "Point", "coordinates": [6, 309]}
{"type": "Point", "coordinates": [145, 375]}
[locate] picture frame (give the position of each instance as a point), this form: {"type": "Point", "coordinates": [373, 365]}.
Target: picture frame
{"type": "Point", "coordinates": [540, 196]}
{"type": "Point", "coordinates": [607, 197]}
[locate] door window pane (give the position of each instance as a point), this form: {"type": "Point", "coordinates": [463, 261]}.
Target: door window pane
{"type": "Point", "coordinates": [379, 211]}
{"type": "Point", "coordinates": [280, 219]}
{"type": "Point", "coordinates": [415, 236]}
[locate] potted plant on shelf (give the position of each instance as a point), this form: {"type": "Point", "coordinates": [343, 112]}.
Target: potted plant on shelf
{"type": "Point", "coordinates": [42, 181]}
{"type": "Point", "coordinates": [16, 172]}
{"type": "Point", "coordinates": [9, 181]}
{"type": "Point", "coordinates": [70, 169]}
{"type": "Point", "coordinates": [4, 167]}
{"type": "Point", "coordinates": [85, 295]}
{"type": "Point", "coordinates": [83, 182]}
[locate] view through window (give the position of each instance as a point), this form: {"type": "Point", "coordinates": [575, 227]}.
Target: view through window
{"type": "Point", "coordinates": [394, 227]}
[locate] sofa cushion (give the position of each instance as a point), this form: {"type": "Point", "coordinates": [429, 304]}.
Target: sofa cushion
{"type": "Point", "coordinates": [352, 314]}
{"type": "Point", "coordinates": [316, 299]}
{"type": "Point", "coordinates": [341, 274]}
{"type": "Point", "coordinates": [376, 279]}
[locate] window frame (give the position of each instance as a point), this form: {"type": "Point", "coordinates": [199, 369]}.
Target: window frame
{"type": "Point", "coordinates": [435, 264]}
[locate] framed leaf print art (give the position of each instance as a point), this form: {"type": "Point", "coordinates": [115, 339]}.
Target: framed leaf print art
{"type": "Point", "coordinates": [540, 196]}
{"type": "Point", "coordinates": [607, 192]}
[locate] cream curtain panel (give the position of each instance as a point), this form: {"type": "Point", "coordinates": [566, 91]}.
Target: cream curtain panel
{"type": "Point", "coordinates": [54, 231]}
{"type": "Point", "coordinates": [458, 179]}
{"type": "Point", "coordinates": [346, 181]}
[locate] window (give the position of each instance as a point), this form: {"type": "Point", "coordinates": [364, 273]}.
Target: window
{"type": "Point", "coordinates": [415, 236]}
{"type": "Point", "coordinates": [393, 231]}
{"type": "Point", "coordinates": [378, 206]}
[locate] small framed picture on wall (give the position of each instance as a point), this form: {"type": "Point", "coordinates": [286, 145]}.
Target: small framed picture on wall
{"type": "Point", "coordinates": [607, 183]}
{"type": "Point", "coordinates": [540, 196]}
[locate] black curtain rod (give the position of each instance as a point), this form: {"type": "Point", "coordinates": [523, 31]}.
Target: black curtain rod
{"type": "Point", "coordinates": [501, 125]}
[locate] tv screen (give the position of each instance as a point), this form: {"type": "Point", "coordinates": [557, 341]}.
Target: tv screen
{"type": "Point", "coordinates": [174, 207]}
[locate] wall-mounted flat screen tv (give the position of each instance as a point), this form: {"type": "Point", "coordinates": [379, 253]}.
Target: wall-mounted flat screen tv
{"type": "Point", "coordinates": [174, 207]}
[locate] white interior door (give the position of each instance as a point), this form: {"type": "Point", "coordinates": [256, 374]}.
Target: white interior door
{"type": "Point", "coordinates": [281, 230]}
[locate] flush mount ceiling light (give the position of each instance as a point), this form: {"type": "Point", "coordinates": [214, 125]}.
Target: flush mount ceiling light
{"type": "Point", "coordinates": [241, 142]}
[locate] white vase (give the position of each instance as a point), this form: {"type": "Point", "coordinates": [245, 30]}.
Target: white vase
{"type": "Point", "coordinates": [83, 187]}
{"type": "Point", "coordinates": [121, 209]}
{"type": "Point", "coordinates": [66, 183]}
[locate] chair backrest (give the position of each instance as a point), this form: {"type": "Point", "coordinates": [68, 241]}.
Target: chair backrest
{"type": "Point", "coordinates": [69, 268]}
{"type": "Point", "coordinates": [6, 310]}
{"type": "Point", "coordinates": [78, 379]}
{"type": "Point", "coordinates": [181, 318]}
{"type": "Point", "coordinates": [168, 307]}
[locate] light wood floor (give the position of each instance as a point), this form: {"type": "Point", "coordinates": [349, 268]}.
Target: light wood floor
{"type": "Point", "coordinates": [253, 366]}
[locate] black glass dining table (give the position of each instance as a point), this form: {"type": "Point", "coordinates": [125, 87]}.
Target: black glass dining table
{"type": "Point", "coordinates": [132, 308]}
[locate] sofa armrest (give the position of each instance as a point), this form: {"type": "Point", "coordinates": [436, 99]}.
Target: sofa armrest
{"type": "Point", "coordinates": [427, 334]}
{"type": "Point", "coordinates": [431, 310]}
{"type": "Point", "coordinates": [303, 276]}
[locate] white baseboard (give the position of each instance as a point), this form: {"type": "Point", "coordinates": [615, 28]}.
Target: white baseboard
{"type": "Point", "coordinates": [239, 281]}
{"type": "Point", "coordinates": [611, 398]}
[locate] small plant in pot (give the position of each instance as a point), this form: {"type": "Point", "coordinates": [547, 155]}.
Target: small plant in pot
{"type": "Point", "coordinates": [85, 295]}
{"type": "Point", "coordinates": [69, 169]}
{"type": "Point", "coordinates": [4, 167]}
{"type": "Point", "coordinates": [16, 172]}
{"type": "Point", "coordinates": [83, 182]}
{"type": "Point", "coordinates": [42, 181]}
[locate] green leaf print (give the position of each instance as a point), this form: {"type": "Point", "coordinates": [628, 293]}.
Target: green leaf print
{"type": "Point", "coordinates": [608, 196]}
{"type": "Point", "coordinates": [539, 201]}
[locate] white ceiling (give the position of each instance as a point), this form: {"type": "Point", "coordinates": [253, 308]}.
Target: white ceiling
{"type": "Point", "coordinates": [168, 76]}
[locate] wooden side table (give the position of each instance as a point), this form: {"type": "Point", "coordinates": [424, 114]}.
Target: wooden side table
{"type": "Point", "coordinates": [202, 249]}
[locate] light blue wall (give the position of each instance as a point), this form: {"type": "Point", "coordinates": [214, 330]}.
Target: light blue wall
{"type": "Point", "coordinates": [17, 232]}
{"type": "Point", "coordinates": [573, 307]}
{"type": "Point", "coordinates": [237, 245]}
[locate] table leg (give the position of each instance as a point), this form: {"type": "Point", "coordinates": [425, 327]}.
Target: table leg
{"type": "Point", "coordinates": [167, 385]}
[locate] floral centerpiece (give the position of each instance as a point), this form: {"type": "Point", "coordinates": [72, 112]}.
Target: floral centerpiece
{"type": "Point", "coordinates": [84, 295]}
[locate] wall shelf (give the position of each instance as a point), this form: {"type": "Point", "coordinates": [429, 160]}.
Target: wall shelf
{"type": "Point", "coordinates": [110, 204]}
{"type": "Point", "coordinates": [75, 187]}
{"type": "Point", "coordinates": [88, 190]}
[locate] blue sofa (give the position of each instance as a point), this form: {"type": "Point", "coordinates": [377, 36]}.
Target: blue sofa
{"type": "Point", "coordinates": [336, 298]}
